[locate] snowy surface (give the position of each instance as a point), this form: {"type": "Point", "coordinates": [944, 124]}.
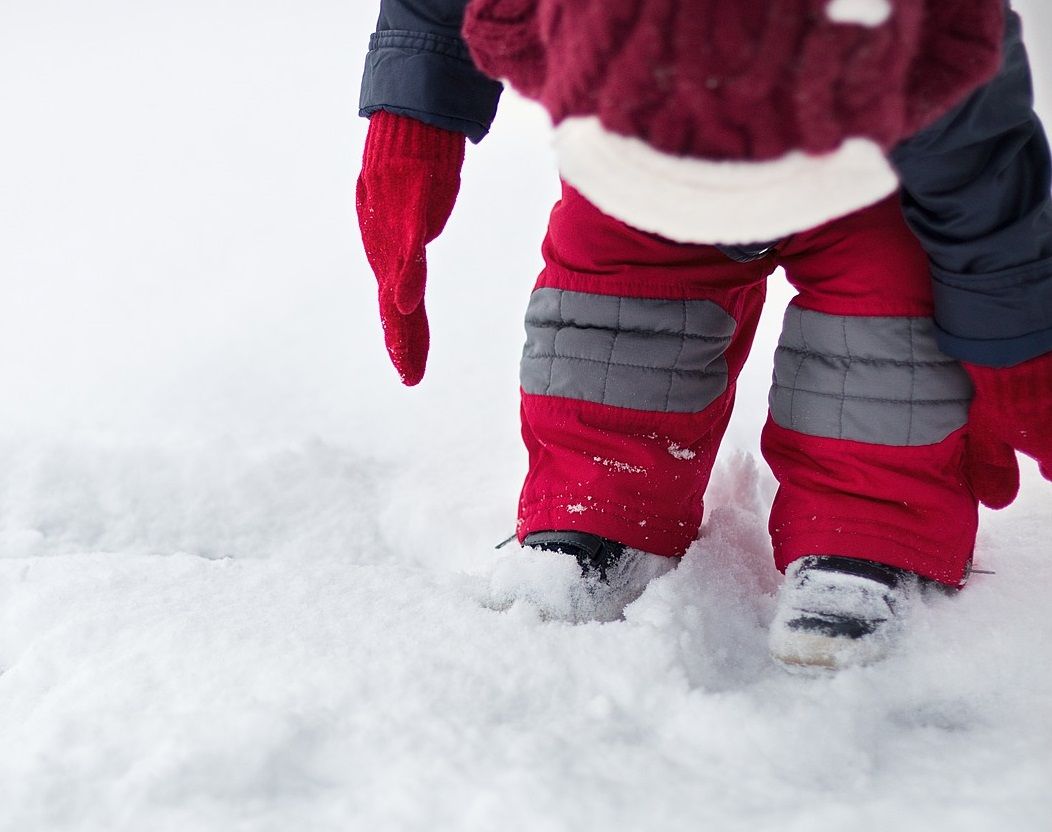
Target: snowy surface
{"type": "Point", "coordinates": [247, 582]}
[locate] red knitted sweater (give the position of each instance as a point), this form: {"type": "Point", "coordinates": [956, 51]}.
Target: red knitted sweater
{"type": "Point", "coordinates": [743, 80]}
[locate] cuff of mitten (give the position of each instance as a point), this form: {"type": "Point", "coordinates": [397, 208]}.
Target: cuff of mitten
{"type": "Point", "coordinates": [393, 136]}
{"type": "Point", "coordinates": [1030, 380]}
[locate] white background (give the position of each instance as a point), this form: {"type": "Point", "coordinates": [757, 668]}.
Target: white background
{"type": "Point", "coordinates": [245, 576]}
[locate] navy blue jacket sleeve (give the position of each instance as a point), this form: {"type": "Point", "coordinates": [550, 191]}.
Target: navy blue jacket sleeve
{"type": "Point", "coordinates": [976, 191]}
{"type": "Point", "coordinates": [418, 66]}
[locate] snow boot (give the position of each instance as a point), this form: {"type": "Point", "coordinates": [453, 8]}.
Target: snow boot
{"type": "Point", "coordinates": [613, 575]}
{"type": "Point", "coordinates": [836, 612]}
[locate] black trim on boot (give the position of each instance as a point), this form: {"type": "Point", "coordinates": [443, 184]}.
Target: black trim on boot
{"type": "Point", "coordinates": [835, 626]}
{"type": "Point", "coordinates": [890, 576]}
{"type": "Point", "coordinates": [594, 554]}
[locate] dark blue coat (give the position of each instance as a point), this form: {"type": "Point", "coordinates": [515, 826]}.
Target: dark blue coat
{"type": "Point", "coordinates": [976, 185]}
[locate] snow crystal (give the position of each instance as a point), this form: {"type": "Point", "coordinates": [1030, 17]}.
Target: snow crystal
{"type": "Point", "coordinates": [680, 452]}
{"type": "Point", "coordinates": [620, 467]}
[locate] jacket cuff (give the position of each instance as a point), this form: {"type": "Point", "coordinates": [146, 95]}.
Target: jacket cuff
{"type": "Point", "coordinates": [430, 78]}
{"type": "Point", "coordinates": [997, 319]}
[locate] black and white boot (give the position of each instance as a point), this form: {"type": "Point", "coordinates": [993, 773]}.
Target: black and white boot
{"type": "Point", "coordinates": [613, 575]}
{"type": "Point", "coordinates": [836, 612]}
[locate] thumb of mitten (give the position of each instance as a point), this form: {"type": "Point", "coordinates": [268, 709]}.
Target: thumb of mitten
{"type": "Point", "coordinates": [412, 272]}
{"type": "Point", "coordinates": [426, 211]}
{"type": "Point", "coordinates": [991, 468]}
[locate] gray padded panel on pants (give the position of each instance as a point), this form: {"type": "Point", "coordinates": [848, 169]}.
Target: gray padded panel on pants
{"type": "Point", "coordinates": [878, 380]}
{"type": "Point", "coordinates": [658, 355]}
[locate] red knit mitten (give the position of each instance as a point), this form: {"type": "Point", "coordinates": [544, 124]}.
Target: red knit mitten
{"type": "Point", "coordinates": [406, 191]}
{"type": "Point", "coordinates": [1012, 411]}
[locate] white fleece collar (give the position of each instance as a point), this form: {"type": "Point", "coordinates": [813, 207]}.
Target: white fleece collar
{"type": "Point", "coordinates": [696, 201]}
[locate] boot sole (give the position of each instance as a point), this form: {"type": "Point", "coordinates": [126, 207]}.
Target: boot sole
{"type": "Point", "coordinates": [807, 651]}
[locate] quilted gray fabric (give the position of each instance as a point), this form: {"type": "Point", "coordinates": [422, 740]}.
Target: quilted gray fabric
{"type": "Point", "coordinates": [657, 355]}
{"type": "Point", "coordinates": [878, 380]}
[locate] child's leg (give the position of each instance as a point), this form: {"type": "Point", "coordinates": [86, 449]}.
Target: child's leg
{"type": "Point", "coordinates": [866, 431]}
{"type": "Point", "coordinates": [633, 347]}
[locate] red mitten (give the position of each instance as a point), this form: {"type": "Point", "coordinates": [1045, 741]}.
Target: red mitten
{"type": "Point", "coordinates": [1012, 411]}
{"type": "Point", "coordinates": [406, 191]}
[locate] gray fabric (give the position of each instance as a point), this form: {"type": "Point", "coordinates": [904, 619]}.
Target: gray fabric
{"type": "Point", "coordinates": [877, 380]}
{"type": "Point", "coordinates": [658, 355]}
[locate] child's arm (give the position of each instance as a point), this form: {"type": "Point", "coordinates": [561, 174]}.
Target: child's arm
{"type": "Point", "coordinates": [977, 194]}
{"type": "Point", "coordinates": [423, 96]}
{"type": "Point", "coordinates": [418, 66]}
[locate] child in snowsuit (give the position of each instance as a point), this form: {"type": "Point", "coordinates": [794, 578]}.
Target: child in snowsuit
{"type": "Point", "coordinates": [701, 146]}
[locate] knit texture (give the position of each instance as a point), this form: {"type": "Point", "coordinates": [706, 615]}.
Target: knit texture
{"type": "Point", "coordinates": [733, 80]}
{"type": "Point", "coordinates": [406, 191]}
{"type": "Point", "coordinates": [1012, 411]}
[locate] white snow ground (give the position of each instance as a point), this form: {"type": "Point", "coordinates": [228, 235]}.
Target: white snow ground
{"type": "Point", "coordinates": [246, 580]}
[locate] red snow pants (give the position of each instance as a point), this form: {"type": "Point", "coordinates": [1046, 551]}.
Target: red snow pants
{"type": "Point", "coordinates": [634, 345]}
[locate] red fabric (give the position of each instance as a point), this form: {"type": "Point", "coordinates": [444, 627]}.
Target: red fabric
{"type": "Point", "coordinates": [991, 467]}
{"type": "Point", "coordinates": [630, 475]}
{"type": "Point", "coordinates": [1012, 411]}
{"type": "Point", "coordinates": [906, 507]}
{"type": "Point", "coordinates": [867, 263]}
{"type": "Point", "coordinates": [723, 79]}
{"type": "Point", "coordinates": [639, 477]}
{"type": "Point", "coordinates": [406, 191]}
{"type": "Point", "coordinates": [909, 507]}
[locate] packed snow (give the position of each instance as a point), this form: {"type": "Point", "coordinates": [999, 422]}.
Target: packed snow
{"type": "Point", "coordinates": [248, 581]}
